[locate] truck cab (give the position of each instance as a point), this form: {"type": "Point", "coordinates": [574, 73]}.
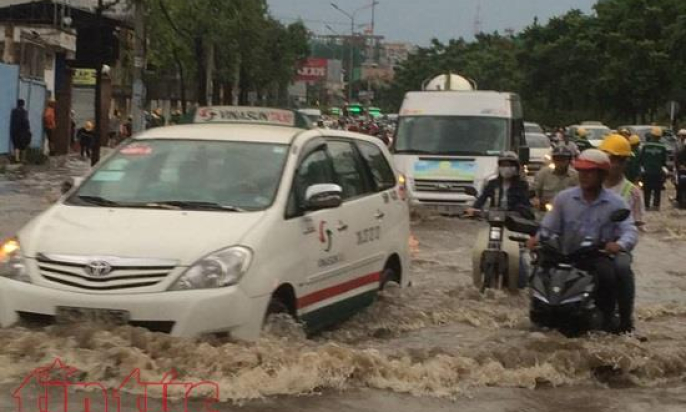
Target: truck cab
{"type": "Point", "coordinates": [447, 143]}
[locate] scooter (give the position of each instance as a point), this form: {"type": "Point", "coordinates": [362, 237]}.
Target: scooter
{"type": "Point", "coordinates": [496, 257]}
{"type": "Point", "coordinates": [562, 294]}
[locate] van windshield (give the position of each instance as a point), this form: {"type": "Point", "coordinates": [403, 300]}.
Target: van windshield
{"type": "Point", "coordinates": [452, 135]}
{"type": "Point", "coordinates": [187, 175]}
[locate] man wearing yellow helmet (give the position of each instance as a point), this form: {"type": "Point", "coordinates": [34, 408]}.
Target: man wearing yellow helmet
{"type": "Point", "coordinates": [618, 149]}
{"type": "Point", "coordinates": [633, 167]}
{"type": "Point", "coordinates": [582, 139]}
{"type": "Point", "coordinates": [653, 161]}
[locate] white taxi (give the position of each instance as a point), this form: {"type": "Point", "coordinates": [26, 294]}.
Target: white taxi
{"type": "Point", "coordinates": [209, 227]}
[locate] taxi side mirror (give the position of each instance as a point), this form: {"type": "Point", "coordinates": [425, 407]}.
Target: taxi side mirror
{"type": "Point", "coordinates": [70, 183]}
{"type": "Point", "coordinates": [323, 196]}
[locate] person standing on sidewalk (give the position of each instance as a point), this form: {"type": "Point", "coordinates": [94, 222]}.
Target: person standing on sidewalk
{"type": "Point", "coordinates": [653, 160]}
{"type": "Point", "coordinates": [115, 126]}
{"type": "Point", "coordinates": [20, 131]}
{"type": "Point", "coordinates": [50, 124]}
{"type": "Point", "coordinates": [86, 138]}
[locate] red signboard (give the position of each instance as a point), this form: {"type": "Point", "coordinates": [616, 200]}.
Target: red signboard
{"type": "Point", "coordinates": [312, 70]}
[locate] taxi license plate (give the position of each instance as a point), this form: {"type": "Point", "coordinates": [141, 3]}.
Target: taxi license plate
{"type": "Point", "coordinates": [67, 314]}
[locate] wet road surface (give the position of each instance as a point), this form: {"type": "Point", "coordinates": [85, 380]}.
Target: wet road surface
{"type": "Point", "coordinates": [439, 345]}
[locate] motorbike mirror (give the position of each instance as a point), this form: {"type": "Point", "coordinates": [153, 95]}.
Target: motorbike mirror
{"type": "Point", "coordinates": [620, 215]}
{"type": "Point", "coordinates": [519, 225]}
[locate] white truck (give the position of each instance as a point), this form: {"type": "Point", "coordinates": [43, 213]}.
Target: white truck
{"type": "Point", "coordinates": [448, 141]}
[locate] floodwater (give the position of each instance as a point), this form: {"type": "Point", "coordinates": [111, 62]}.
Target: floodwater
{"type": "Point", "coordinates": [439, 345]}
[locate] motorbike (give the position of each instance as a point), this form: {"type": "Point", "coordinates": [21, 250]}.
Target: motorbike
{"type": "Point", "coordinates": [496, 254]}
{"type": "Point", "coordinates": [562, 291]}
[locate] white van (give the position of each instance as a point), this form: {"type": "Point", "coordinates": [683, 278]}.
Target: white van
{"type": "Point", "coordinates": [447, 143]}
{"type": "Point", "coordinates": [208, 228]}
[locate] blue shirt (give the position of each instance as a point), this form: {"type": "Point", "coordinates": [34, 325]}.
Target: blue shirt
{"type": "Point", "coordinates": [572, 214]}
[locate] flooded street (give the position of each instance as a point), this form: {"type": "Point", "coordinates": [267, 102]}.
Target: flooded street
{"type": "Point", "coordinates": [439, 345]}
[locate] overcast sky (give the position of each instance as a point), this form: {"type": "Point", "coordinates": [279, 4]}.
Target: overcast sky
{"type": "Point", "coordinates": [418, 21]}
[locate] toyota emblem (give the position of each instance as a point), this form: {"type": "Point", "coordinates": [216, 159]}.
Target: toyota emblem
{"type": "Point", "coordinates": [98, 268]}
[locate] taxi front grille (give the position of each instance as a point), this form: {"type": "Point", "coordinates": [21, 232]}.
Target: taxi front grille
{"type": "Point", "coordinates": [121, 273]}
{"type": "Point", "coordinates": [41, 319]}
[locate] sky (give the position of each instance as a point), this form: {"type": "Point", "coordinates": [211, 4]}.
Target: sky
{"type": "Point", "coordinates": [418, 21]}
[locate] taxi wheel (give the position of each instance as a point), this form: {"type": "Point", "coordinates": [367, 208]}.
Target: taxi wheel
{"type": "Point", "coordinates": [387, 276]}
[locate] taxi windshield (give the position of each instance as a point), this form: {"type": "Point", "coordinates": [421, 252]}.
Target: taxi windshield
{"type": "Point", "coordinates": [188, 175]}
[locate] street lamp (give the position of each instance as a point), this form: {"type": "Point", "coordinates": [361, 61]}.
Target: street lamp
{"type": "Point", "coordinates": [351, 16]}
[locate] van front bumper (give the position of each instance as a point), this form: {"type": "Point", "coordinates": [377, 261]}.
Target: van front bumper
{"type": "Point", "coordinates": [180, 313]}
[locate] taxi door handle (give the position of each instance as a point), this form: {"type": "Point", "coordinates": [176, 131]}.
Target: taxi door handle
{"type": "Point", "coordinates": [342, 227]}
{"type": "Point", "coordinates": [379, 215]}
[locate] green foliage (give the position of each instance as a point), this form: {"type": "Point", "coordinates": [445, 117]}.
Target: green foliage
{"type": "Point", "coordinates": [619, 65]}
{"type": "Point", "coordinates": [236, 42]}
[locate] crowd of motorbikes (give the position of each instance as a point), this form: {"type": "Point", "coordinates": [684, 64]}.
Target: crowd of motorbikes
{"type": "Point", "coordinates": [381, 127]}
{"type": "Point", "coordinates": [561, 290]}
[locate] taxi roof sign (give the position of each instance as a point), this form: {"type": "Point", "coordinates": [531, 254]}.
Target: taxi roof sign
{"type": "Point", "coordinates": [250, 115]}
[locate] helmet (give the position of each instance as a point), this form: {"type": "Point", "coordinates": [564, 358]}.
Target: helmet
{"type": "Point", "coordinates": [682, 132]}
{"type": "Point", "coordinates": [562, 151]}
{"type": "Point", "coordinates": [581, 132]}
{"type": "Point", "coordinates": [592, 159]}
{"type": "Point", "coordinates": [509, 157]}
{"type": "Point", "coordinates": [634, 140]}
{"type": "Point", "coordinates": [656, 131]}
{"type": "Point", "coordinates": [616, 145]}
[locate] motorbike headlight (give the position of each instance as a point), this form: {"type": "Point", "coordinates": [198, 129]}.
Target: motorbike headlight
{"type": "Point", "coordinates": [219, 269]}
{"type": "Point", "coordinates": [12, 263]}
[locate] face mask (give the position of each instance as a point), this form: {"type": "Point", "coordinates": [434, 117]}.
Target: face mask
{"type": "Point", "coordinates": [507, 172]}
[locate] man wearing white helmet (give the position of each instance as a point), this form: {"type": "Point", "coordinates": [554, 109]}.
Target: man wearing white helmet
{"type": "Point", "coordinates": [585, 210]}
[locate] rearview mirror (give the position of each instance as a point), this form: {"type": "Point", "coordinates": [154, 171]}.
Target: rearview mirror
{"type": "Point", "coordinates": [520, 225]}
{"type": "Point", "coordinates": [323, 196]}
{"type": "Point", "coordinates": [620, 215]}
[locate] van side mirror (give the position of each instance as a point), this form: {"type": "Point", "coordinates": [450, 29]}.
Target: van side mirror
{"type": "Point", "coordinates": [524, 155]}
{"type": "Point", "coordinates": [323, 196]}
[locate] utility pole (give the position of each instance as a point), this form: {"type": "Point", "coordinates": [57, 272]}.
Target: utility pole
{"type": "Point", "coordinates": [95, 153]}
{"type": "Point", "coordinates": [351, 63]}
{"type": "Point", "coordinates": [138, 100]}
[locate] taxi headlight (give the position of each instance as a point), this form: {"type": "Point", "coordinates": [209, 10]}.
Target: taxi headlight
{"type": "Point", "coordinates": [219, 269]}
{"type": "Point", "coordinates": [12, 263]}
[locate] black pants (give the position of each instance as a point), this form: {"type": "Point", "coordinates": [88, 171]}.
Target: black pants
{"type": "Point", "coordinates": [606, 293]}
{"type": "Point", "coordinates": [85, 146]}
{"type": "Point", "coordinates": [626, 289]}
{"type": "Point", "coordinates": [652, 190]}
{"type": "Point", "coordinates": [681, 190]}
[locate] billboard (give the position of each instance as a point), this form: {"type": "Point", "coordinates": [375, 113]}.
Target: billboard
{"type": "Point", "coordinates": [312, 70]}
